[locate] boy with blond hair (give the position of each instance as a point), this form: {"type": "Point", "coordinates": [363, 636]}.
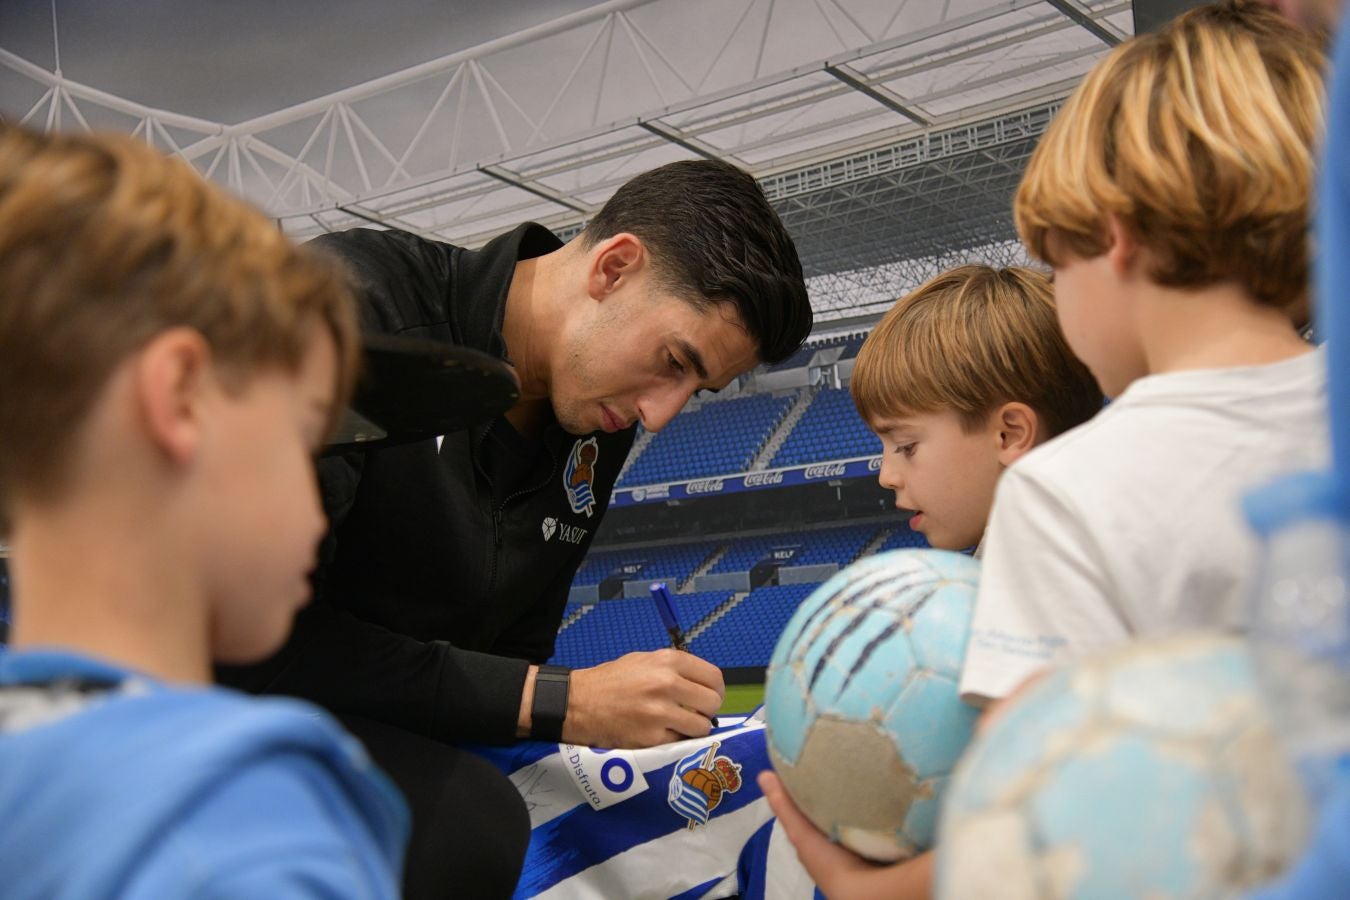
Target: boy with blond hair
{"type": "Point", "coordinates": [170, 365]}
{"type": "Point", "coordinates": [960, 379]}
{"type": "Point", "coordinates": [1171, 197]}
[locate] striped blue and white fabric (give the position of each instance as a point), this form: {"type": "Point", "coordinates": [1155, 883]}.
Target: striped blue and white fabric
{"type": "Point", "coordinates": [683, 820]}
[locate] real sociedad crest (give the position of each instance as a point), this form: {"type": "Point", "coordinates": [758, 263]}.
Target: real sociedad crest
{"type": "Point", "coordinates": [699, 783]}
{"type": "Point", "coordinates": [579, 475]}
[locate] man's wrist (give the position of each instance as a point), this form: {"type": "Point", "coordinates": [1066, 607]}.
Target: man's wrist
{"type": "Point", "coordinates": [548, 707]}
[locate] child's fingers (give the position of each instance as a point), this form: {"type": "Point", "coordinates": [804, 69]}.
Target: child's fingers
{"type": "Point", "coordinates": [822, 857]}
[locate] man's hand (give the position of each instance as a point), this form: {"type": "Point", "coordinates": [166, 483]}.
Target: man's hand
{"type": "Point", "coordinates": [840, 873]}
{"type": "Point", "coordinates": [643, 699]}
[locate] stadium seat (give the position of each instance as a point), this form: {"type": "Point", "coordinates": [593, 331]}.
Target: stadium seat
{"type": "Point", "coordinates": [719, 438]}
{"type": "Point", "coordinates": [746, 635]}
{"type": "Point", "coordinates": [614, 627]}
{"type": "Point", "coordinates": [830, 429]}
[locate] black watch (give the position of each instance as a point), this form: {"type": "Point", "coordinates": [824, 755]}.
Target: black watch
{"type": "Point", "coordinates": [550, 703]}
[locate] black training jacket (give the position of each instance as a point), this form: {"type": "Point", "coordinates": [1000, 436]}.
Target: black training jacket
{"type": "Point", "coordinates": [432, 598]}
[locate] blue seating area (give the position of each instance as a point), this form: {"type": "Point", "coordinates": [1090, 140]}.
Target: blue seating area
{"type": "Point", "coordinates": [851, 349]}
{"type": "Point", "coordinates": [803, 356]}
{"type": "Point", "coordinates": [746, 635]}
{"type": "Point", "coordinates": [839, 545]}
{"type": "Point", "coordinates": [615, 627]}
{"type": "Point", "coordinates": [598, 565]}
{"type": "Point", "coordinates": [719, 438]}
{"type": "Point", "coordinates": [743, 554]}
{"type": "Point", "coordinates": [796, 360]}
{"type": "Point", "coordinates": [834, 544]}
{"type": "Point", "coordinates": [694, 608]}
{"type": "Point", "coordinates": [902, 538]}
{"type": "Point", "coordinates": [830, 429]}
{"type": "Point", "coordinates": [674, 562]}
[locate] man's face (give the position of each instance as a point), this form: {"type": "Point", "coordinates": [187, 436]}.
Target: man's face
{"type": "Point", "coordinates": [943, 474]}
{"type": "Point", "coordinates": [640, 354]}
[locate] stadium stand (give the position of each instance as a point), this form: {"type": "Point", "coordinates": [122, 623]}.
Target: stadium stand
{"type": "Point", "coordinates": [674, 562]}
{"type": "Point", "coordinates": [803, 356]}
{"type": "Point", "coordinates": [611, 628]}
{"type": "Point", "coordinates": [719, 438]}
{"type": "Point", "coordinates": [746, 635]}
{"type": "Point", "coordinates": [902, 538]}
{"type": "Point", "coordinates": [599, 564]}
{"type": "Point", "coordinates": [839, 544]}
{"type": "Point", "coordinates": [723, 437]}
{"type": "Point", "coordinates": [830, 429]}
{"type": "Point", "coordinates": [742, 555]}
{"type": "Point", "coordinates": [597, 632]}
{"type": "Point", "coordinates": [796, 360]}
{"type": "Point", "coordinates": [852, 347]}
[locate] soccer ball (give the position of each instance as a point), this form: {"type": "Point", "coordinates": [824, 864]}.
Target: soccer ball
{"type": "Point", "coordinates": [863, 719]}
{"type": "Point", "coordinates": [1149, 772]}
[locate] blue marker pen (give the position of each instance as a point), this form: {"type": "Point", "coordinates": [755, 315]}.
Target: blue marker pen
{"type": "Point", "coordinates": [665, 605]}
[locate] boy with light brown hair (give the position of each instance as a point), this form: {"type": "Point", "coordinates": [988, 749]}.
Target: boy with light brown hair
{"type": "Point", "coordinates": [170, 365]}
{"type": "Point", "coordinates": [959, 380]}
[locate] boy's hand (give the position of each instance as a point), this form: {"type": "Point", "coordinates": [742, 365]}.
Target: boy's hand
{"type": "Point", "coordinates": [840, 873]}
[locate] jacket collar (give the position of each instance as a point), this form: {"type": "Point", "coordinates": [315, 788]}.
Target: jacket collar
{"type": "Point", "coordinates": [483, 278]}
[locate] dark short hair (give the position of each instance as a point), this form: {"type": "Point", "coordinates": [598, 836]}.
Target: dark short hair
{"type": "Point", "coordinates": [713, 237]}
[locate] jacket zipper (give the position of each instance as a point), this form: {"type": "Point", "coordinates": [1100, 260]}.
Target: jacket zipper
{"type": "Point", "coordinates": [497, 517]}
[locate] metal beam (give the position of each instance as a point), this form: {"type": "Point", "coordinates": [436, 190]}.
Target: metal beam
{"type": "Point", "coordinates": [884, 97]}
{"type": "Point", "coordinates": [909, 153]}
{"type": "Point", "coordinates": [678, 138]}
{"type": "Point", "coordinates": [537, 189]}
{"type": "Point", "coordinates": [1080, 18]}
{"type": "Point", "coordinates": [374, 220]}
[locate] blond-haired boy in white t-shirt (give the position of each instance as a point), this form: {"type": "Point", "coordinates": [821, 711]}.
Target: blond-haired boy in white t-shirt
{"type": "Point", "coordinates": [1170, 196]}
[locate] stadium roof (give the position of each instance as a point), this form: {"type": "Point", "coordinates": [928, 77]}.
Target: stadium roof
{"type": "Point", "coordinates": [885, 131]}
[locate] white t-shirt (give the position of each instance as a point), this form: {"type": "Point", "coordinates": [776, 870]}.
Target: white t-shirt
{"type": "Point", "coordinates": [1130, 525]}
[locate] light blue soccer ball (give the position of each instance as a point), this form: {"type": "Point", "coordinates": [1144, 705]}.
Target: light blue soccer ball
{"type": "Point", "coordinates": [1148, 772]}
{"type": "Point", "coordinates": [864, 722]}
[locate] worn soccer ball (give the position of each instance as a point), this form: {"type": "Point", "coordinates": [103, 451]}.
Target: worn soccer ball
{"type": "Point", "coordinates": [1148, 772]}
{"type": "Point", "coordinates": [863, 718]}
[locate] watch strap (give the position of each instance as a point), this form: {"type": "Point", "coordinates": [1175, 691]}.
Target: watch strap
{"type": "Point", "coordinates": [549, 709]}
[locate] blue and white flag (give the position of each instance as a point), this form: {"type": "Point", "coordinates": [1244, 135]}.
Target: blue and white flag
{"type": "Point", "coordinates": [683, 820]}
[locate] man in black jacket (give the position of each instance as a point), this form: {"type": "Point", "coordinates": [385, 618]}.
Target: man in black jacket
{"type": "Point", "coordinates": [449, 563]}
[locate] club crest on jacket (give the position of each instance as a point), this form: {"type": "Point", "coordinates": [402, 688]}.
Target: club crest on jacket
{"type": "Point", "coordinates": [579, 475]}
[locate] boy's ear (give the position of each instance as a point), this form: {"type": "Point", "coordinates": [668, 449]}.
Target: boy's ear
{"type": "Point", "coordinates": [1123, 249]}
{"type": "Point", "coordinates": [1018, 428]}
{"type": "Point", "coordinates": [172, 374]}
{"type": "Point", "coordinates": [611, 262]}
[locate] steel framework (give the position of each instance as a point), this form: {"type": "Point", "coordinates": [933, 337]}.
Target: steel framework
{"type": "Point", "coordinates": [885, 132]}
